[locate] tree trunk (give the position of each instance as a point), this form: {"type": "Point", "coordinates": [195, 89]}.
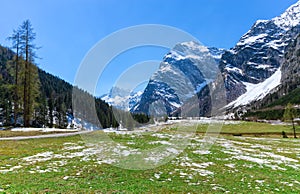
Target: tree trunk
{"type": "Point", "coordinates": [26, 103]}
{"type": "Point", "coordinates": [16, 84]}
{"type": "Point", "coordinates": [295, 136]}
{"type": "Point", "coordinates": [29, 111]}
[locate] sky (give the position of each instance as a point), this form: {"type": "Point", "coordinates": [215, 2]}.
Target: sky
{"type": "Point", "coordinates": [67, 29]}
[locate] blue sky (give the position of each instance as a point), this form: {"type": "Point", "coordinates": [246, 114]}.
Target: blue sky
{"type": "Point", "coordinates": [68, 29]}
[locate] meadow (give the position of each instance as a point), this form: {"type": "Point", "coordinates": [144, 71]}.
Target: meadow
{"type": "Point", "coordinates": [260, 163]}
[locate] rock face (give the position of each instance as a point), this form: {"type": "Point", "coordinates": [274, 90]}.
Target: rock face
{"type": "Point", "coordinates": [184, 71]}
{"type": "Point", "coordinates": [291, 64]}
{"type": "Point", "coordinates": [288, 84]}
{"type": "Point", "coordinates": [259, 53]}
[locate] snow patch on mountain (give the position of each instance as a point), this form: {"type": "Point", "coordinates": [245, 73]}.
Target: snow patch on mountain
{"type": "Point", "coordinates": [230, 68]}
{"type": "Point", "coordinates": [257, 91]}
{"type": "Point", "coordinates": [290, 18]}
{"type": "Point", "coordinates": [252, 39]}
{"type": "Point", "coordinates": [195, 46]}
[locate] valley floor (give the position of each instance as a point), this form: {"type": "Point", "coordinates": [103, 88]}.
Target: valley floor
{"type": "Point", "coordinates": [168, 160]}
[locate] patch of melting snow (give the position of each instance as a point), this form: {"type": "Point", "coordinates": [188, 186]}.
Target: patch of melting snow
{"type": "Point", "coordinates": [59, 163]}
{"type": "Point", "coordinates": [241, 143]}
{"type": "Point", "coordinates": [125, 153]}
{"type": "Point", "coordinates": [173, 151]}
{"type": "Point", "coordinates": [11, 169]}
{"type": "Point", "coordinates": [157, 175]}
{"type": "Point", "coordinates": [287, 184]}
{"type": "Point", "coordinates": [279, 158]}
{"type": "Point", "coordinates": [40, 157]}
{"type": "Point", "coordinates": [161, 135]}
{"type": "Point", "coordinates": [106, 161]}
{"type": "Point", "coordinates": [182, 174]}
{"type": "Point", "coordinates": [197, 167]}
{"type": "Point", "coordinates": [69, 143]}
{"type": "Point", "coordinates": [75, 147]}
{"type": "Point", "coordinates": [259, 161]}
{"type": "Point", "coordinates": [230, 165]}
{"type": "Point", "coordinates": [85, 154]}
{"type": "Point", "coordinates": [45, 170]}
{"type": "Point", "coordinates": [202, 165]}
{"type": "Point", "coordinates": [263, 147]}
{"type": "Point", "coordinates": [284, 150]}
{"type": "Point", "coordinates": [160, 142]}
{"type": "Point", "coordinates": [158, 157]}
{"type": "Point", "coordinates": [202, 152]}
{"type": "Point", "coordinates": [202, 172]}
{"type": "Point", "coordinates": [257, 154]}
{"type": "Point", "coordinates": [260, 181]}
{"type": "Point", "coordinates": [217, 187]}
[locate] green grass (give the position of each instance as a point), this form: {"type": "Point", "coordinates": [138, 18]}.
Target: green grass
{"type": "Point", "coordinates": [9, 133]}
{"type": "Point", "coordinates": [84, 174]}
{"type": "Point", "coordinates": [251, 128]}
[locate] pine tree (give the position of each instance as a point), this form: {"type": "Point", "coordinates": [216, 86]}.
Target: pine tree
{"type": "Point", "coordinates": [16, 44]}
{"type": "Point", "coordinates": [28, 48]}
{"type": "Point", "coordinates": [289, 115]}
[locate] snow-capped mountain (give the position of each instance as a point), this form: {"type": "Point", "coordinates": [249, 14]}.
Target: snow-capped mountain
{"type": "Point", "coordinates": [184, 71]}
{"type": "Point", "coordinates": [250, 70]}
{"type": "Point", "coordinates": [258, 55]}
{"type": "Point", "coordinates": [121, 98]}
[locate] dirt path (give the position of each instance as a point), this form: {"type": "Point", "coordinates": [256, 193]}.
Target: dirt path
{"type": "Point", "coordinates": [42, 136]}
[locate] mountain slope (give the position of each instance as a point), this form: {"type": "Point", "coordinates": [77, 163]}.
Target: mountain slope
{"type": "Point", "coordinates": [184, 71]}
{"type": "Point", "coordinates": [257, 91]}
{"type": "Point", "coordinates": [287, 92]}
{"type": "Point", "coordinates": [55, 96]}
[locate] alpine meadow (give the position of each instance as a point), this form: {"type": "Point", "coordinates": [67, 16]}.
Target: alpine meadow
{"type": "Point", "coordinates": [150, 96]}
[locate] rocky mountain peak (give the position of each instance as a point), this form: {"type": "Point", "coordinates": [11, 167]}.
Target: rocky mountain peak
{"type": "Point", "coordinates": [122, 98]}
{"type": "Point", "coordinates": [290, 18]}
{"type": "Point", "coordinates": [184, 71]}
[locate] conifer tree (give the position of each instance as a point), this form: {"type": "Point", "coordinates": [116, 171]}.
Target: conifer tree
{"type": "Point", "coordinates": [289, 115]}
{"type": "Point", "coordinates": [30, 83]}
{"type": "Point", "coordinates": [16, 44]}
